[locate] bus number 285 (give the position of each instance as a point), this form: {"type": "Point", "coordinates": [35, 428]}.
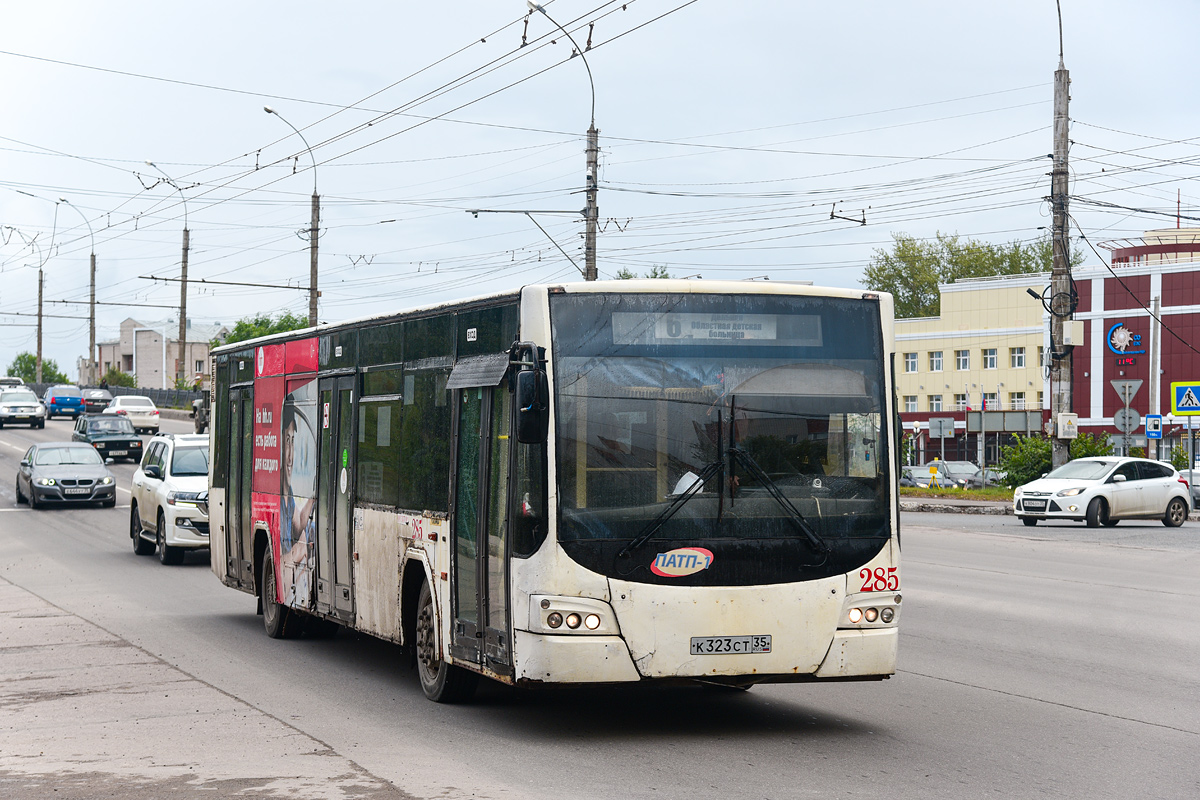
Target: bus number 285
{"type": "Point", "coordinates": [879, 580]}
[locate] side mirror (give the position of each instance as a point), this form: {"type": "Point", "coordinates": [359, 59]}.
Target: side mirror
{"type": "Point", "coordinates": [153, 471]}
{"type": "Point", "coordinates": [1044, 474]}
{"type": "Point", "coordinates": [1119, 479]}
{"type": "Point", "coordinates": [25, 463]}
{"type": "Point", "coordinates": [533, 395]}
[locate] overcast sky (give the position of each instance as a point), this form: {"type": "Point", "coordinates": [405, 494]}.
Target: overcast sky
{"type": "Point", "coordinates": [728, 132]}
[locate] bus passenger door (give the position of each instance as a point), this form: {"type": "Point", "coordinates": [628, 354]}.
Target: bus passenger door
{"type": "Point", "coordinates": [479, 525]}
{"type": "Point", "coordinates": [239, 547]}
{"type": "Point", "coordinates": [335, 482]}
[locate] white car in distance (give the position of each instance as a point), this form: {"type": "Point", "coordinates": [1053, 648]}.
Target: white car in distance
{"type": "Point", "coordinates": [168, 507]}
{"type": "Point", "coordinates": [140, 410]}
{"type": "Point", "coordinates": [1104, 490]}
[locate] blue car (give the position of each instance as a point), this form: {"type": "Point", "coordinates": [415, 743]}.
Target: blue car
{"type": "Point", "coordinates": [64, 400]}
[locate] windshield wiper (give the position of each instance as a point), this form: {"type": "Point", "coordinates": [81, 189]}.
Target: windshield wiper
{"type": "Point", "coordinates": [819, 544]}
{"type": "Point", "coordinates": [706, 474]}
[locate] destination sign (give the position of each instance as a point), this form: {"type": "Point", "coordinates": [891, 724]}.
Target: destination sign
{"type": "Point", "coordinates": [690, 329]}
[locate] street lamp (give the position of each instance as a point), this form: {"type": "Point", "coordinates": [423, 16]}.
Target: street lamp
{"type": "Point", "coordinates": [91, 299]}
{"type": "Point", "coordinates": [313, 294]}
{"type": "Point", "coordinates": [592, 212]}
{"type": "Point", "coordinates": [181, 369]}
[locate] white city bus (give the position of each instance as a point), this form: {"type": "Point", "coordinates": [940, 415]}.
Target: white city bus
{"type": "Point", "coordinates": [588, 483]}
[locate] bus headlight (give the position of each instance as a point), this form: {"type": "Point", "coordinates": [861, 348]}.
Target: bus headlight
{"type": "Point", "coordinates": [571, 615]}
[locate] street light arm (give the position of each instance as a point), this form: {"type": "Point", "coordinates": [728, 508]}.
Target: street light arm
{"type": "Point", "coordinates": [175, 186]}
{"type": "Point", "coordinates": [536, 7]}
{"type": "Point", "coordinates": [86, 221]}
{"type": "Point", "coordinates": [270, 110]}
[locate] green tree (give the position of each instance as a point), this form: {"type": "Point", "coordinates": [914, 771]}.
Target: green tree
{"type": "Point", "coordinates": [263, 325]}
{"type": "Point", "coordinates": [24, 366]}
{"type": "Point", "coordinates": [1179, 458]}
{"type": "Point", "coordinates": [114, 377]}
{"type": "Point", "coordinates": [1089, 445]}
{"type": "Point", "coordinates": [656, 271]}
{"type": "Point", "coordinates": [912, 269]}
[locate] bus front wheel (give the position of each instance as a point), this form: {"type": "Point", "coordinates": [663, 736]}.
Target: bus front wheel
{"type": "Point", "coordinates": [441, 682]}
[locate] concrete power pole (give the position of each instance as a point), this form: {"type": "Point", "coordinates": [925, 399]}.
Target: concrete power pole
{"type": "Point", "coordinates": [92, 325]}
{"type": "Point", "coordinates": [181, 371]}
{"type": "Point", "coordinates": [313, 230]}
{"type": "Point", "coordinates": [38, 369]}
{"type": "Point", "coordinates": [593, 210]}
{"type": "Point", "coordinates": [1061, 292]}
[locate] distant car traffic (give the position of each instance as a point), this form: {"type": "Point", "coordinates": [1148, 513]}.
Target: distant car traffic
{"type": "Point", "coordinates": [140, 410]}
{"type": "Point", "coordinates": [96, 400]}
{"type": "Point", "coordinates": [168, 509]}
{"type": "Point", "coordinates": [112, 436]}
{"type": "Point", "coordinates": [21, 407]}
{"type": "Point", "coordinates": [988, 477]}
{"type": "Point", "coordinates": [64, 472]}
{"type": "Point", "coordinates": [950, 475]}
{"type": "Point", "coordinates": [63, 401]}
{"type": "Point", "coordinates": [1104, 491]}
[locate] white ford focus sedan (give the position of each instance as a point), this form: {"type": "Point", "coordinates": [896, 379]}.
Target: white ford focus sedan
{"type": "Point", "coordinates": [1104, 490]}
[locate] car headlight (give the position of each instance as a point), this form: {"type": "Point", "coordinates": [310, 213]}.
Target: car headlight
{"type": "Point", "coordinates": [182, 498]}
{"type": "Point", "coordinates": [1017, 491]}
{"type": "Point", "coordinates": [106, 481]}
{"type": "Point", "coordinates": [1072, 492]}
{"type": "Point", "coordinates": [45, 481]}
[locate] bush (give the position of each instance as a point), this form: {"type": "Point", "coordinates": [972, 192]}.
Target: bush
{"type": "Point", "coordinates": [1179, 458]}
{"type": "Point", "coordinates": [1026, 460]}
{"type": "Point", "coordinates": [1088, 445]}
{"type": "Point", "coordinates": [114, 377]}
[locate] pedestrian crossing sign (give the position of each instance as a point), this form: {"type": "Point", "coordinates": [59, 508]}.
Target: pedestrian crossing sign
{"type": "Point", "coordinates": [1185, 398]}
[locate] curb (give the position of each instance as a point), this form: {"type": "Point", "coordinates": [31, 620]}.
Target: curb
{"type": "Point", "coordinates": [945, 508]}
{"type": "Point", "coordinates": [998, 511]}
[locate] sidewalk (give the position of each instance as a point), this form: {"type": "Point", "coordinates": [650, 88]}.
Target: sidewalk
{"type": "Point", "coordinates": [948, 505]}
{"type": "Point", "coordinates": [86, 714]}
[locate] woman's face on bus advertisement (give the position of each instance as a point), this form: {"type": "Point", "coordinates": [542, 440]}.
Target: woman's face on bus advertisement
{"type": "Point", "coordinates": [289, 451]}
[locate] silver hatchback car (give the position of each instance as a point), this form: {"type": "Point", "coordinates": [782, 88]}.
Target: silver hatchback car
{"type": "Point", "coordinates": [1105, 490]}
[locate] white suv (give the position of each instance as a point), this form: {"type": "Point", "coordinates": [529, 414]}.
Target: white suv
{"type": "Point", "coordinates": [168, 510]}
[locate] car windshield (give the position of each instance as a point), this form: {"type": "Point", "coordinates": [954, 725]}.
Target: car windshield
{"type": "Point", "coordinates": [140, 402]}
{"type": "Point", "coordinates": [960, 468]}
{"type": "Point", "coordinates": [189, 461]}
{"type": "Point", "coordinates": [64, 391]}
{"type": "Point", "coordinates": [55, 456]}
{"type": "Point", "coordinates": [1083, 470]}
{"type": "Point", "coordinates": [110, 425]}
{"type": "Point", "coordinates": [18, 397]}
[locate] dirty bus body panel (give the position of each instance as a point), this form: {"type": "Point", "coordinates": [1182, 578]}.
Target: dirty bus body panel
{"type": "Point", "coordinates": [588, 483]}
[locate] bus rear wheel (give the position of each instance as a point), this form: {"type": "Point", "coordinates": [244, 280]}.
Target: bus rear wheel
{"type": "Point", "coordinates": [441, 682]}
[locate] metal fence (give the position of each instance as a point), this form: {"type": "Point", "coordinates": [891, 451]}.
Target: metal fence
{"type": "Point", "coordinates": [163, 398]}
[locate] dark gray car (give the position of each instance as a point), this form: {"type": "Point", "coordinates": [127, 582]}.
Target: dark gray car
{"type": "Point", "coordinates": [64, 472]}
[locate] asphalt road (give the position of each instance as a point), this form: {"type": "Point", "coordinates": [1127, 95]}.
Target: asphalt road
{"type": "Point", "coordinates": [1054, 661]}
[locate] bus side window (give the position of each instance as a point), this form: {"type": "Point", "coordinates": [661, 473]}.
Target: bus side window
{"type": "Point", "coordinates": [529, 522]}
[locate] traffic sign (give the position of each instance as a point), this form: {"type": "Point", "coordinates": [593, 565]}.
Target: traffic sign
{"type": "Point", "coordinates": [941, 427]}
{"type": "Point", "coordinates": [1127, 420]}
{"type": "Point", "coordinates": [1154, 426]}
{"type": "Point", "coordinates": [1127, 389]}
{"type": "Point", "coordinates": [1185, 398]}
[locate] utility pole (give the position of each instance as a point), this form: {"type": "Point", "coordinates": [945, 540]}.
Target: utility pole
{"type": "Point", "coordinates": [181, 372]}
{"type": "Point", "coordinates": [593, 211]}
{"type": "Point", "coordinates": [38, 370]}
{"type": "Point", "coordinates": [1155, 347]}
{"type": "Point", "coordinates": [1062, 295]}
{"type": "Point", "coordinates": [92, 324]}
{"type": "Point", "coordinates": [313, 230]}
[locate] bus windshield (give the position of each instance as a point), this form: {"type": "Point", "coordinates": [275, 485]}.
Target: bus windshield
{"type": "Point", "coordinates": [750, 423]}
